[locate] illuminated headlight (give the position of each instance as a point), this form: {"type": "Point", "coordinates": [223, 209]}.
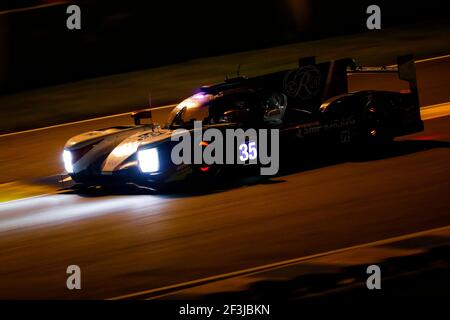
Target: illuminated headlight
{"type": "Point", "coordinates": [148, 160]}
{"type": "Point", "coordinates": [67, 158]}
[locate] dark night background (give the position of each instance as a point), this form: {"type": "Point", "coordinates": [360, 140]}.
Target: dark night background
{"type": "Point", "coordinates": [121, 36]}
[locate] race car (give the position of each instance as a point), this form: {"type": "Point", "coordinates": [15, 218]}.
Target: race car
{"type": "Point", "coordinates": [308, 106]}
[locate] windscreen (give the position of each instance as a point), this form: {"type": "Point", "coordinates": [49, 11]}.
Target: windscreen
{"type": "Point", "coordinates": [194, 108]}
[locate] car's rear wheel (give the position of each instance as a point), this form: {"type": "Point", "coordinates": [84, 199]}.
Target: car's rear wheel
{"type": "Point", "coordinates": [375, 128]}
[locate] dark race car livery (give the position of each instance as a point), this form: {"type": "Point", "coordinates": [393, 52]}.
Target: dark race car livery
{"type": "Point", "coordinates": [309, 105]}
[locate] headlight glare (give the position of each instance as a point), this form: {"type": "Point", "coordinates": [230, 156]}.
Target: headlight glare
{"type": "Point", "coordinates": [148, 160]}
{"type": "Point", "coordinates": [67, 159]}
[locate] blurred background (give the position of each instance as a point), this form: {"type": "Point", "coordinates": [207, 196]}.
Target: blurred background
{"type": "Point", "coordinates": [36, 49]}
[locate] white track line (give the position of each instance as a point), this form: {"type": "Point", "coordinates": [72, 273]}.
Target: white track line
{"type": "Point", "coordinates": [276, 265]}
{"type": "Point", "coordinates": [34, 7]}
{"type": "Point", "coordinates": [78, 122]}
{"type": "Point", "coordinates": [425, 60]}
{"type": "Point", "coordinates": [433, 58]}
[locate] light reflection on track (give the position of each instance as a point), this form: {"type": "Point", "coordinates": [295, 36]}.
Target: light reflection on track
{"type": "Point", "coordinates": [62, 208]}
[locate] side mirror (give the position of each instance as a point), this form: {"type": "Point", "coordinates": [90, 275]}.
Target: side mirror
{"type": "Point", "coordinates": [141, 114]}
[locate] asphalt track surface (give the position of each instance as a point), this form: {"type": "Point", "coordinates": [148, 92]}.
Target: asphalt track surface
{"type": "Point", "coordinates": [135, 241]}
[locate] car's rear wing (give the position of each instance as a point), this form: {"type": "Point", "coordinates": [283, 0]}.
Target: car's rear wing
{"type": "Point", "coordinates": [405, 69]}
{"type": "Point", "coordinates": [335, 74]}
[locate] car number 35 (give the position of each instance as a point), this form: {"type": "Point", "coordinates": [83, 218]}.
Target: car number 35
{"type": "Point", "coordinates": [248, 152]}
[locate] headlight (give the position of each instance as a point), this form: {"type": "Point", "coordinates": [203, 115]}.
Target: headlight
{"type": "Point", "coordinates": [67, 158]}
{"type": "Point", "coordinates": [148, 160]}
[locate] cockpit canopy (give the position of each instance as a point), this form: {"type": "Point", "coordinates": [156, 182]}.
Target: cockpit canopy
{"type": "Point", "coordinates": [194, 108]}
{"type": "Point", "coordinates": [231, 106]}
